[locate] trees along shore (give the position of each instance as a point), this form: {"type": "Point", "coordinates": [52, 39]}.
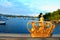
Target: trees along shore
{"type": "Point", "coordinates": [54, 16]}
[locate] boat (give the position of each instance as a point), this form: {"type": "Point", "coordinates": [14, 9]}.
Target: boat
{"type": "Point", "coordinates": [42, 30]}
{"type": "Point", "coordinates": [3, 20]}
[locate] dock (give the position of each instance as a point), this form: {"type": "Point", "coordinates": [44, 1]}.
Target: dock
{"type": "Point", "coordinates": [22, 35]}
{"type": "Point", "coordinates": [26, 37]}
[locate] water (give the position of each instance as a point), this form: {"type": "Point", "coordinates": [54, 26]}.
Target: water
{"type": "Point", "coordinates": [57, 29]}
{"type": "Point", "coordinates": [19, 26]}
{"type": "Point", "coordinates": [15, 25]}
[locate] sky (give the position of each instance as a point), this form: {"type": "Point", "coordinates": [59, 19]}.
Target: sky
{"type": "Point", "coordinates": [28, 7]}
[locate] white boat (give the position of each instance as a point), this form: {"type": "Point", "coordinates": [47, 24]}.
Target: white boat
{"type": "Point", "coordinates": [2, 20]}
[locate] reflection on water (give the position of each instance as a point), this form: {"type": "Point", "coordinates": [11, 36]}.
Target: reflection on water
{"type": "Point", "coordinates": [19, 25]}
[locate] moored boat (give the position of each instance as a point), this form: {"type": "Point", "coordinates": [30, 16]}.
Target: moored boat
{"type": "Point", "coordinates": [2, 20]}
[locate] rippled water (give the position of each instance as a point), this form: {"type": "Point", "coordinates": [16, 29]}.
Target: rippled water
{"type": "Point", "coordinates": [19, 26]}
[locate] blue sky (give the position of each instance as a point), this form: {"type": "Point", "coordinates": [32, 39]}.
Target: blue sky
{"type": "Point", "coordinates": [28, 7]}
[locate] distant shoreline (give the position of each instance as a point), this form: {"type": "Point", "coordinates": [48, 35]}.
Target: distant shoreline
{"type": "Point", "coordinates": [18, 16]}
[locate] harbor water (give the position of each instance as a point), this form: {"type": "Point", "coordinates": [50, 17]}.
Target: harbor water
{"type": "Point", "coordinates": [19, 26]}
